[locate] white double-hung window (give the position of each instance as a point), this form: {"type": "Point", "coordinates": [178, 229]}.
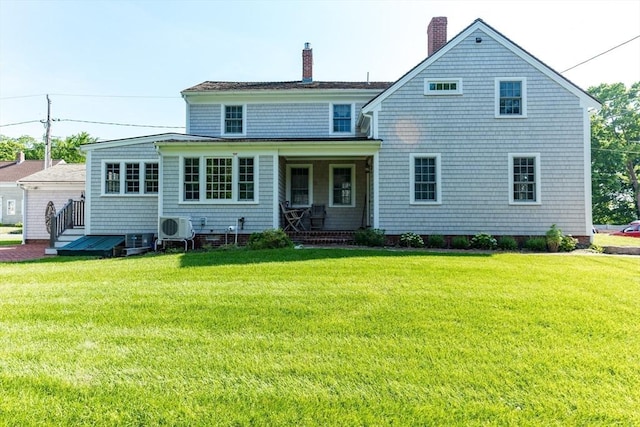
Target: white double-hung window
{"type": "Point", "coordinates": [524, 179]}
{"type": "Point", "coordinates": [130, 178]}
{"type": "Point", "coordinates": [425, 179]}
{"type": "Point", "coordinates": [510, 97]}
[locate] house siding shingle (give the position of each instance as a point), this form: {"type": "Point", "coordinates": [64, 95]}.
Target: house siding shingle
{"type": "Point", "coordinates": [475, 146]}
{"type": "Point", "coordinates": [121, 214]}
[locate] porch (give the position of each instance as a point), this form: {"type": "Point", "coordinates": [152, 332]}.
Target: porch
{"type": "Point", "coordinates": [339, 187]}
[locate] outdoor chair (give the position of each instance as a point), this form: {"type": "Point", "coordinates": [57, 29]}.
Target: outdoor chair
{"type": "Point", "coordinates": [292, 217]}
{"type": "Point", "coordinates": [317, 216]}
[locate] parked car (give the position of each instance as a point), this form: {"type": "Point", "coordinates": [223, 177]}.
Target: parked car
{"type": "Point", "coordinates": [630, 230]}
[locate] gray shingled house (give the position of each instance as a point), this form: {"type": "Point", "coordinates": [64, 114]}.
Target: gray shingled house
{"type": "Point", "coordinates": [479, 137]}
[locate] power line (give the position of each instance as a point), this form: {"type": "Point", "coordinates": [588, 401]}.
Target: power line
{"type": "Point", "coordinates": [600, 54]}
{"type": "Point", "coordinates": [121, 124]}
{"type": "Point", "coordinates": [20, 123]}
{"type": "Point", "coordinates": [82, 95]}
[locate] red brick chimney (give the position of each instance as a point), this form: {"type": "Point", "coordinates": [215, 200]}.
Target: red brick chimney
{"type": "Point", "coordinates": [307, 64]}
{"type": "Point", "coordinates": [436, 34]}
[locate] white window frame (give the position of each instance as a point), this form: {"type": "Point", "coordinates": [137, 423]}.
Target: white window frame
{"type": "Point", "coordinates": [538, 181]}
{"type": "Point", "coordinates": [235, 186]}
{"type": "Point", "coordinates": [412, 178]}
{"type": "Point", "coordinates": [352, 130]}
{"type": "Point", "coordinates": [308, 166]}
{"type": "Point", "coordinates": [123, 172]}
{"type": "Point", "coordinates": [11, 207]}
{"type": "Point", "coordinates": [523, 106]}
{"type": "Point", "coordinates": [429, 81]}
{"type": "Point", "coordinates": [223, 114]}
{"type": "Point", "coordinates": [332, 167]}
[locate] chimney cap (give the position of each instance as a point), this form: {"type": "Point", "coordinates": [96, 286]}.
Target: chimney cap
{"type": "Point", "coordinates": [307, 45]}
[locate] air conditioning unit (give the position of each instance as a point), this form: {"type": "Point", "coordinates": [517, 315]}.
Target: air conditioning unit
{"type": "Point", "coordinates": [174, 227]}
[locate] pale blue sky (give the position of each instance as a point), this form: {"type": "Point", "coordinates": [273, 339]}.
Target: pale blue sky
{"type": "Point", "coordinates": [127, 61]}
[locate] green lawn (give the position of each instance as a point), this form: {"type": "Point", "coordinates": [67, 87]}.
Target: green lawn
{"type": "Point", "coordinates": [8, 236]}
{"type": "Point", "coordinates": [604, 239]}
{"type": "Point", "coordinates": [321, 337]}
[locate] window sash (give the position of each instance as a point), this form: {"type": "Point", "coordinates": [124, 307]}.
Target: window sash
{"type": "Point", "coordinates": [524, 179]}
{"type": "Point", "coordinates": [342, 186]}
{"type": "Point", "coordinates": [246, 179]}
{"type": "Point", "coordinates": [151, 178]}
{"type": "Point", "coordinates": [511, 98]}
{"type": "Point", "coordinates": [132, 178]}
{"type": "Point", "coordinates": [233, 120]}
{"type": "Point", "coordinates": [300, 186]}
{"type": "Point", "coordinates": [425, 180]}
{"type": "Point", "coordinates": [219, 179]}
{"type": "Point", "coordinates": [191, 178]}
{"type": "Point", "coordinates": [112, 178]}
{"type": "Point", "coordinates": [342, 118]}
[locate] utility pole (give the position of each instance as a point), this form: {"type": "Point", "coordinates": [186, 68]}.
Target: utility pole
{"type": "Point", "coordinates": [47, 142]}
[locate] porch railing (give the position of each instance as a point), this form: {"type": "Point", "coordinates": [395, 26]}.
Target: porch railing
{"type": "Point", "coordinates": [71, 215]}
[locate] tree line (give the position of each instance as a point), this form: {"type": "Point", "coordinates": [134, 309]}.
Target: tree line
{"type": "Point", "coordinates": [67, 149]}
{"type": "Point", "coordinates": [615, 152]}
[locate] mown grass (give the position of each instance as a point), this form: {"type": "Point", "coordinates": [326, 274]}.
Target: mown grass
{"type": "Point", "coordinates": [604, 239]}
{"type": "Point", "coordinates": [321, 337]}
{"type": "Point", "coordinates": [9, 236]}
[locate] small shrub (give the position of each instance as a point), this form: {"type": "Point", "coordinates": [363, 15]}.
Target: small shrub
{"type": "Point", "coordinates": [435, 241]}
{"type": "Point", "coordinates": [536, 244]}
{"type": "Point", "coordinates": [483, 241]}
{"type": "Point", "coordinates": [507, 243]}
{"type": "Point", "coordinates": [369, 237]}
{"type": "Point", "coordinates": [568, 244]}
{"type": "Point", "coordinates": [554, 238]}
{"type": "Point", "coordinates": [411, 240]}
{"type": "Point", "coordinates": [460, 242]}
{"type": "Point", "coordinates": [269, 239]}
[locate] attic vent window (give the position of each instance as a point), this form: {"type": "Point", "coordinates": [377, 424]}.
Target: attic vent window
{"type": "Point", "coordinates": [443, 87]}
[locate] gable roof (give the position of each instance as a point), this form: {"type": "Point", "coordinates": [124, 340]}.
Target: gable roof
{"type": "Point", "coordinates": [586, 99]}
{"type": "Point", "coordinates": [62, 172]}
{"type": "Point", "coordinates": [13, 171]}
{"type": "Point", "coordinates": [210, 86]}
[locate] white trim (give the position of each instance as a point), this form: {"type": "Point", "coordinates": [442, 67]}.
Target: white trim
{"type": "Point", "coordinates": [538, 180]}
{"type": "Point", "coordinates": [412, 178]}
{"type": "Point", "coordinates": [310, 183]}
{"type": "Point", "coordinates": [376, 190]}
{"type": "Point", "coordinates": [223, 113]}
{"type": "Point", "coordinates": [523, 106]}
{"type": "Point", "coordinates": [438, 80]}
{"type": "Point", "coordinates": [352, 123]}
{"type": "Point", "coordinates": [88, 194]}
{"type": "Point", "coordinates": [588, 209]}
{"type": "Point", "coordinates": [143, 140]}
{"type": "Point", "coordinates": [276, 191]}
{"type": "Point", "coordinates": [334, 166]}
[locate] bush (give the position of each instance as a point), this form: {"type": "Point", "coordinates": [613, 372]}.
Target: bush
{"type": "Point", "coordinates": [269, 239]}
{"type": "Point", "coordinates": [554, 238]}
{"type": "Point", "coordinates": [483, 241]}
{"type": "Point", "coordinates": [435, 241]}
{"type": "Point", "coordinates": [507, 243]}
{"type": "Point", "coordinates": [536, 244]}
{"type": "Point", "coordinates": [369, 237]}
{"type": "Point", "coordinates": [460, 242]}
{"type": "Point", "coordinates": [568, 244]}
{"type": "Point", "coordinates": [411, 240]}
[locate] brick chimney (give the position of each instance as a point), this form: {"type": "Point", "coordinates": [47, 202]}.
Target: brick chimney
{"type": "Point", "coordinates": [20, 157]}
{"type": "Point", "coordinates": [307, 64]}
{"type": "Point", "coordinates": [436, 34]}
